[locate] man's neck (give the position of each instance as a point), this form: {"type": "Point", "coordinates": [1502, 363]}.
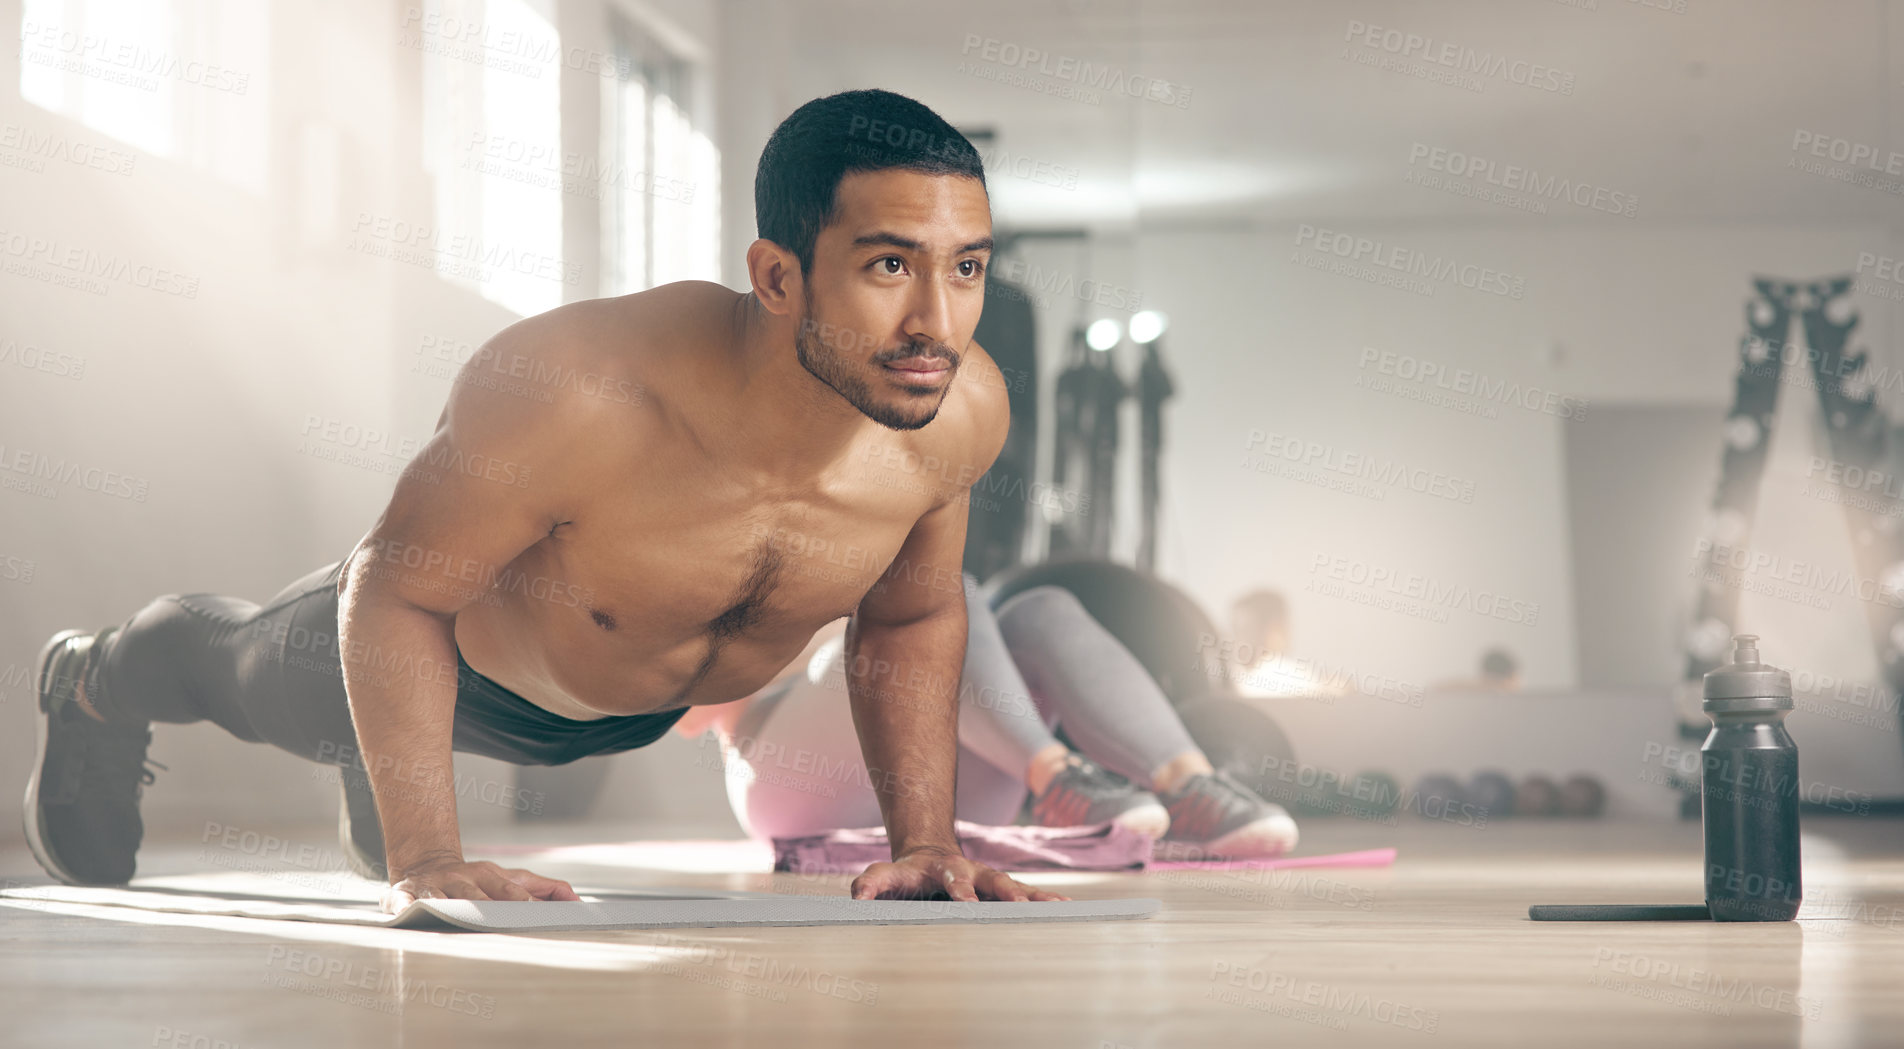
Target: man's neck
{"type": "Point", "coordinates": [787, 422]}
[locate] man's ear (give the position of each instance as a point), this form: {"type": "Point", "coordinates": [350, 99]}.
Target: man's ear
{"type": "Point", "coordinates": [775, 274]}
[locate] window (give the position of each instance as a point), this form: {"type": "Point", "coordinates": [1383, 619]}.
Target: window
{"type": "Point", "coordinates": [660, 172]}
{"type": "Point", "coordinates": [492, 128]}
{"type": "Point", "coordinates": [179, 79]}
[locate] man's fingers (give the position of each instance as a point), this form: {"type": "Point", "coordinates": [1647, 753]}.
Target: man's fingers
{"type": "Point", "coordinates": [869, 883]}
{"type": "Point", "coordinates": [1009, 889]}
{"type": "Point", "coordinates": [475, 881]}
{"type": "Point", "coordinates": [408, 891]}
{"type": "Point", "coordinates": [461, 888]}
{"type": "Point", "coordinates": [542, 888]}
{"type": "Point", "coordinates": [891, 881]}
{"type": "Point", "coordinates": [959, 887]}
{"type": "Point", "coordinates": [500, 887]}
{"type": "Point", "coordinates": [999, 886]}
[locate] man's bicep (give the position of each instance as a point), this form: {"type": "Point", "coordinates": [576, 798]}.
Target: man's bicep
{"type": "Point", "coordinates": [924, 579]}
{"type": "Point", "coordinates": [488, 485]}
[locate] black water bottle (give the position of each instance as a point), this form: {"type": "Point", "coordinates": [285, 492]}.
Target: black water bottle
{"type": "Point", "coordinates": [1751, 791]}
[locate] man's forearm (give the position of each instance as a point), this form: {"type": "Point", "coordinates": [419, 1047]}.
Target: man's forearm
{"type": "Point", "coordinates": [399, 666]}
{"type": "Point", "coordinates": [903, 683]}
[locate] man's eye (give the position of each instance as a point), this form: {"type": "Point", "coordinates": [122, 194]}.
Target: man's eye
{"type": "Point", "coordinates": [897, 262]}
{"type": "Point", "coordinates": [975, 267]}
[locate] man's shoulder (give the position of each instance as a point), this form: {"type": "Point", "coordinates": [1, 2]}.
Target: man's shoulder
{"type": "Point", "coordinates": [618, 350]}
{"type": "Point", "coordinates": [986, 411]}
{"type": "Point", "coordinates": [636, 328]}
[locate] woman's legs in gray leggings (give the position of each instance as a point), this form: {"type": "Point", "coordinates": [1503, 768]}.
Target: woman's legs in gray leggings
{"type": "Point", "coordinates": [1078, 671]}
{"type": "Point", "coordinates": [998, 719]}
{"type": "Point", "coordinates": [1042, 657]}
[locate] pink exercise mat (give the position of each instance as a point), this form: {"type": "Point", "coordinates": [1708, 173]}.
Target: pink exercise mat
{"type": "Point", "coordinates": [1365, 858]}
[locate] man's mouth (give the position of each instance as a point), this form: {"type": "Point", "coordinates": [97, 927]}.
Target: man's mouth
{"type": "Point", "coordinates": [920, 364]}
{"type": "Point", "coordinates": [920, 370]}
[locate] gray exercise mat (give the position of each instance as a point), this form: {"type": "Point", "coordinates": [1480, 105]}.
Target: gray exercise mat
{"type": "Point", "coordinates": [631, 909]}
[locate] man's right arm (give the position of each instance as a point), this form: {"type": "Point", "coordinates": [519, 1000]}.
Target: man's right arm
{"type": "Point", "coordinates": [494, 480]}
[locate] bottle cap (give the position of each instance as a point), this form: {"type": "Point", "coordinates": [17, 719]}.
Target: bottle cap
{"type": "Point", "coordinates": [1745, 684]}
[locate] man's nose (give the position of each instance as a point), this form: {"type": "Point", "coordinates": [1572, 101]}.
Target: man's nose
{"type": "Point", "coordinates": [930, 321]}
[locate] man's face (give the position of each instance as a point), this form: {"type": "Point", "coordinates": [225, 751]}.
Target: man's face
{"type": "Point", "coordinates": [896, 288]}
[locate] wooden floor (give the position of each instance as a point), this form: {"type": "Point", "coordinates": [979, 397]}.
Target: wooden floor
{"type": "Point", "coordinates": [1436, 951]}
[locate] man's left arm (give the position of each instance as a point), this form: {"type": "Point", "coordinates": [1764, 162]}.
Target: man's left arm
{"type": "Point", "coordinates": [905, 649]}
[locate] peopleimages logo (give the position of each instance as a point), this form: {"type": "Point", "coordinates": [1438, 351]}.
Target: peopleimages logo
{"type": "Point", "coordinates": [1398, 259]}
{"type": "Point", "coordinates": [1846, 151]}
{"type": "Point", "coordinates": [1263, 447]}
{"type": "Point", "coordinates": [1457, 58]}
{"type": "Point", "coordinates": [80, 263]}
{"type": "Point", "coordinates": [1737, 566]}
{"type": "Point", "coordinates": [1468, 382]}
{"type": "Point", "coordinates": [1075, 71]}
{"type": "Point", "coordinates": [1521, 179]}
{"type": "Point", "coordinates": [121, 61]}
{"type": "Point", "coordinates": [31, 149]}
{"type": "Point", "coordinates": [1426, 590]}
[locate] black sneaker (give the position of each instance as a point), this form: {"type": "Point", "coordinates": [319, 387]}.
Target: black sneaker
{"type": "Point", "coordinates": [1213, 816]}
{"type": "Point", "coordinates": [82, 804]}
{"type": "Point", "coordinates": [359, 831]}
{"type": "Point", "coordinates": [1084, 792]}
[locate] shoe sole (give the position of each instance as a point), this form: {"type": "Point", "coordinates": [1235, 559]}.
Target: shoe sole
{"type": "Point", "coordinates": [1261, 839]}
{"type": "Point", "coordinates": [1266, 838]}
{"type": "Point", "coordinates": [33, 817]}
{"type": "Point", "coordinates": [1151, 819]}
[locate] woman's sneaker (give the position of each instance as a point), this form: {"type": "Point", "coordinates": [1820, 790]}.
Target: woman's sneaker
{"type": "Point", "coordinates": [82, 804]}
{"type": "Point", "coordinates": [1084, 792]}
{"type": "Point", "coordinates": [1212, 816]}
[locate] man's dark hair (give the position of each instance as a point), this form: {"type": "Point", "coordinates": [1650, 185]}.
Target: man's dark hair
{"type": "Point", "coordinates": [829, 138]}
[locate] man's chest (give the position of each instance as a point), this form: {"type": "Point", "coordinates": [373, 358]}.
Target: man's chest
{"type": "Point", "coordinates": [728, 564]}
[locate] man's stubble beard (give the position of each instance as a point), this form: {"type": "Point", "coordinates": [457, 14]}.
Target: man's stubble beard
{"type": "Point", "coordinates": [826, 364]}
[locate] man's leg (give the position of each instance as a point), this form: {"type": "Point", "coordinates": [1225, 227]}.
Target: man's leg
{"type": "Point", "coordinates": [265, 673]}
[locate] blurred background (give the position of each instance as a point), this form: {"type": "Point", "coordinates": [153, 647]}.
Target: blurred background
{"type": "Point", "coordinates": [1495, 340]}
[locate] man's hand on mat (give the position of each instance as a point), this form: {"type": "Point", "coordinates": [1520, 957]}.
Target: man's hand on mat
{"type": "Point", "coordinates": [925, 873]}
{"type": "Point", "coordinates": [456, 880]}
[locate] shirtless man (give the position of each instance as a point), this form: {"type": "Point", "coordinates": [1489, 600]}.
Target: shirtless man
{"type": "Point", "coordinates": [630, 507]}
